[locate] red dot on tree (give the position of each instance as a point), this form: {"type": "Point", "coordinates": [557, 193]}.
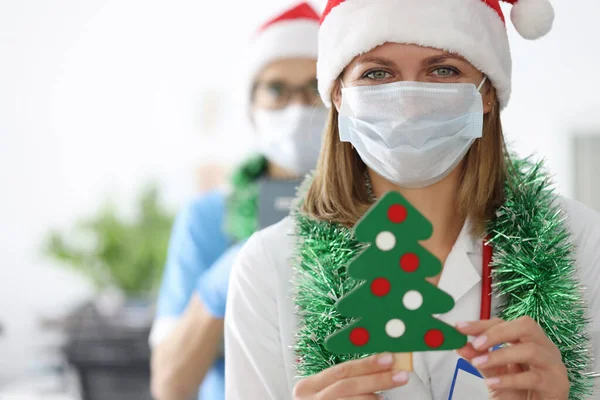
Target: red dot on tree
{"type": "Point", "coordinates": [397, 213]}
{"type": "Point", "coordinates": [359, 336]}
{"type": "Point", "coordinates": [409, 262]}
{"type": "Point", "coordinates": [434, 338]}
{"type": "Point", "coordinates": [380, 287]}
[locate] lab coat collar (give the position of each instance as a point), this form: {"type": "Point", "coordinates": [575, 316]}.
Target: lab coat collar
{"type": "Point", "coordinates": [459, 274]}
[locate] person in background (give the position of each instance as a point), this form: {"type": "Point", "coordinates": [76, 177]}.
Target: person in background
{"type": "Point", "coordinates": [288, 116]}
{"type": "Point", "coordinates": [415, 89]}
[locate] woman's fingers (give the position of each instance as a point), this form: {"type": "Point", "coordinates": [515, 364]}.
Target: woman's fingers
{"type": "Point", "coordinates": [364, 385]}
{"type": "Point", "coordinates": [352, 379]}
{"type": "Point", "coordinates": [494, 332]}
{"type": "Point", "coordinates": [527, 353]}
{"type": "Point", "coordinates": [527, 380]}
{"type": "Point", "coordinates": [365, 397]}
{"type": "Point", "coordinates": [530, 362]}
{"type": "Point", "coordinates": [476, 328]}
{"type": "Point", "coordinates": [468, 352]}
{"type": "Point", "coordinates": [366, 366]}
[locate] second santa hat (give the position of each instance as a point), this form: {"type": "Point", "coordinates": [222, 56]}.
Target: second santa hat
{"type": "Point", "coordinates": [292, 34]}
{"type": "Point", "coordinates": [475, 29]}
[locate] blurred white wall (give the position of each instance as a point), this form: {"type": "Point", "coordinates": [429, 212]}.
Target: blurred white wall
{"type": "Point", "coordinates": [554, 93]}
{"type": "Point", "coordinates": [97, 96]}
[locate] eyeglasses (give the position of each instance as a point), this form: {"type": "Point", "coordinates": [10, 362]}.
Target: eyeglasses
{"type": "Point", "coordinates": [277, 94]}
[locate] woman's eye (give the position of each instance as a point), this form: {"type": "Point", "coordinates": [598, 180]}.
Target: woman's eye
{"type": "Point", "coordinates": [377, 75]}
{"type": "Point", "coordinates": [445, 72]}
{"type": "Point", "coordinates": [275, 89]}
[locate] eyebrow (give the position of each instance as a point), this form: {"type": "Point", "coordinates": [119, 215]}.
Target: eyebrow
{"type": "Point", "coordinates": [438, 59]}
{"type": "Point", "coordinates": [376, 60]}
{"type": "Point", "coordinates": [441, 58]}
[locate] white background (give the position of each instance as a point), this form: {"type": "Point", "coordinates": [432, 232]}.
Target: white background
{"type": "Point", "coordinates": [98, 96]}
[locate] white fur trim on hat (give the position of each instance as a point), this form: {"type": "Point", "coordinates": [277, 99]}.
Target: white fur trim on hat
{"type": "Point", "coordinates": [285, 39]}
{"type": "Point", "coordinates": [469, 28]}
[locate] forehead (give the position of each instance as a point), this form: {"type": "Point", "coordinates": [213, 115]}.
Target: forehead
{"type": "Point", "coordinates": [290, 70]}
{"type": "Point", "coordinates": [399, 52]}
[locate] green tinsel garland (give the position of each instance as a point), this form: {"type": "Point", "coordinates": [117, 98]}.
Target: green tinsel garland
{"type": "Point", "coordinates": [241, 219]}
{"type": "Point", "coordinates": [534, 274]}
{"type": "Point", "coordinates": [534, 268]}
{"type": "Point", "coordinates": [321, 280]}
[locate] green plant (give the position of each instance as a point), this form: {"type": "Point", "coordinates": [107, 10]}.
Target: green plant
{"type": "Point", "coordinates": [127, 254]}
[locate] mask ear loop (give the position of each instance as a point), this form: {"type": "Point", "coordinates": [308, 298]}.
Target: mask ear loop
{"type": "Point", "coordinates": [342, 87]}
{"type": "Point", "coordinates": [482, 83]}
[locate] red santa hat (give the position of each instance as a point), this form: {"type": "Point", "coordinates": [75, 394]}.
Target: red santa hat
{"type": "Point", "coordinates": [292, 34]}
{"type": "Point", "coordinates": [475, 29]}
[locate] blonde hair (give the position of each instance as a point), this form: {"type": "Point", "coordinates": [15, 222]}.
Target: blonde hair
{"type": "Point", "coordinates": [338, 193]}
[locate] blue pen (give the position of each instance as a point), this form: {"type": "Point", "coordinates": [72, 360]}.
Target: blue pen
{"type": "Point", "coordinates": [500, 346]}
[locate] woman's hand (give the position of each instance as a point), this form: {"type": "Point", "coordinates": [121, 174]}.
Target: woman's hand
{"type": "Point", "coordinates": [352, 380]}
{"type": "Point", "coordinates": [530, 367]}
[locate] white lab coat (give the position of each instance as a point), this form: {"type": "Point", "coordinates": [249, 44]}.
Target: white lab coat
{"type": "Point", "coordinates": [261, 321]}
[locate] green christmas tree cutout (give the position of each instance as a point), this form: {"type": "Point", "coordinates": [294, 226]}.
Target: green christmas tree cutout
{"type": "Point", "coordinates": [394, 307]}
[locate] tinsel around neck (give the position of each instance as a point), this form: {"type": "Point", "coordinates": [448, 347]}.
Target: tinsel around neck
{"type": "Point", "coordinates": [241, 219]}
{"type": "Point", "coordinates": [534, 275]}
{"type": "Point", "coordinates": [534, 268]}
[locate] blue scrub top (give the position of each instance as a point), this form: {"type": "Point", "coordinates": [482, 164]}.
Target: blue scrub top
{"type": "Point", "coordinates": [197, 243]}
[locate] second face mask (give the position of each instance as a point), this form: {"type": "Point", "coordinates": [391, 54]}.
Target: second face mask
{"type": "Point", "coordinates": [291, 138]}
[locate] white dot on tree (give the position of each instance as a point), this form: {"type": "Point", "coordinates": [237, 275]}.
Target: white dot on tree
{"type": "Point", "coordinates": [385, 241]}
{"type": "Point", "coordinates": [395, 328]}
{"type": "Point", "coordinates": [412, 300]}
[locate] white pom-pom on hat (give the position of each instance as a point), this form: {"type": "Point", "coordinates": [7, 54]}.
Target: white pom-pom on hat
{"type": "Point", "coordinates": [532, 18]}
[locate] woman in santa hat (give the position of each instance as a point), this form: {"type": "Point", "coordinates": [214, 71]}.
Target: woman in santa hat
{"type": "Point", "coordinates": [288, 117]}
{"type": "Point", "coordinates": [415, 89]}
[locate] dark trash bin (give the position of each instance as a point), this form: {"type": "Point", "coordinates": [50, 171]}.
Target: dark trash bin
{"type": "Point", "coordinates": [112, 360]}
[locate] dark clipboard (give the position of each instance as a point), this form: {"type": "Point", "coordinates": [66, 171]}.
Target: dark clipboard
{"type": "Point", "coordinates": [275, 198]}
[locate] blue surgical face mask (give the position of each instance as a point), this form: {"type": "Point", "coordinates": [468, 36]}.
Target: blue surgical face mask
{"type": "Point", "coordinates": [412, 133]}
